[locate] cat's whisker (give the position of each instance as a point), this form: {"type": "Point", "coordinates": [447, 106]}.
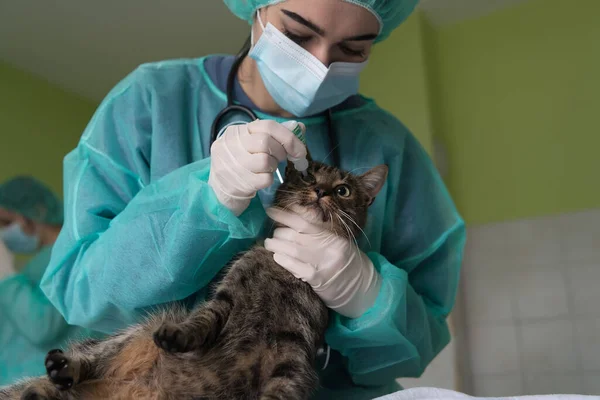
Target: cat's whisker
{"type": "Point", "coordinates": [350, 234]}
{"type": "Point", "coordinates": [356, 169]}
{"type": "Point", "coordinates": [287, 203]}
{"type": "Point", "coordinates": [358, 226]}
{"type": "Point", "coordinates": [342, 222]}
{"type": "Point", "coordinates": [346, 228]}
{"type": "Point", "coordinates": [285, 206]}
{"type": "Point", "coordinates": [332, 150]}
{"type": "Point", "coordinates": [287, 191]}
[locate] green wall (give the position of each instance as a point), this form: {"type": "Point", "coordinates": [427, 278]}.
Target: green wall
{"type": "Point", "coordinates": [396, 78]}
{"type": "Point", "coordinates": [39, 124]}
{"type": "Point", "coordinates": [513, 96]}
{"type": "Point", "coordinates": [518, 102]}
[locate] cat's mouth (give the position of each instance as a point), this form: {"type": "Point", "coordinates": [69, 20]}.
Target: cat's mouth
{"type": "Point", "coordinates": [321, 210]}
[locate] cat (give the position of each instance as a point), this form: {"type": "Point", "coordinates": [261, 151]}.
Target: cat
{"type": "Point", "coordinates": [256, 338]}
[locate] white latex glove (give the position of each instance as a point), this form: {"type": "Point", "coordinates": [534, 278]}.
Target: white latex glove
{"type": "Point", "coordinates": [7, 262]}
{"type": "Point", "coordinates": [244, 158]}
{"type": "Point", "coordinates": [339, 273]}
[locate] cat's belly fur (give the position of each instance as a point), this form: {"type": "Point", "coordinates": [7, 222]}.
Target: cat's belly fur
{"type": "Point", "coordinates": [268, 302]}
{"type": "Point", "coordinates": [273, 330]}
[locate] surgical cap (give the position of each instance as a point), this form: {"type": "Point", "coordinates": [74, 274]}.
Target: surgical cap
{"type": "Point", "coordinates": [32, 199]}
{"type": "Point", "coordinates": [390, 13]}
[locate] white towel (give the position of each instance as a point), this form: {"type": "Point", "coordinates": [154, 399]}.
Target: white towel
{"type": "Point", "coordinates": [442, 394]}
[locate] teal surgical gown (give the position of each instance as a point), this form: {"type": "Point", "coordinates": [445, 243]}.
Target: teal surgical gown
{"type": "Point", "coordinates": [30, 326]}
{"type": "Point", "coordinates": [143, 228]}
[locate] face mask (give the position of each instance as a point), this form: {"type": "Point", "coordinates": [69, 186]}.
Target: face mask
{"type": "Point", "coordinates": [298, 82]}
{"type": "Point", "coordinates": [18, 241]}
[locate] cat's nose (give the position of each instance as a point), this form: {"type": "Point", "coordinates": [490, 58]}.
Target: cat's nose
{"type": "Point", "coordinates": [320, 193]}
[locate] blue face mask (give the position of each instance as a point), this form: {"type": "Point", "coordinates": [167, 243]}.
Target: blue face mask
{"type": "Point", "coordinates": [18, 241]}
{"type": "Point", "coordinates": [298, 82]}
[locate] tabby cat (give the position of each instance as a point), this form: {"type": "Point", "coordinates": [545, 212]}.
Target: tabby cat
{"type": "Point", "coordinates": [256, 338]}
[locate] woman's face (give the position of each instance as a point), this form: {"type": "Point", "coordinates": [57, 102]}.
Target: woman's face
{"type": "Point", "coordinates": [332, 30]}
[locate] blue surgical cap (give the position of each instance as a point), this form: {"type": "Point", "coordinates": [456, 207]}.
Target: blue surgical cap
{"type": "Point", "coordinates": [32, 199]}
{"type": "Point", "coordinates": [390, 13]}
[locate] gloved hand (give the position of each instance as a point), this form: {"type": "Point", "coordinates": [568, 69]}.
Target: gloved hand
{"type": "Point", "coordinates": [7, 264]}
{"type": "Point", "coordinates": [244, 158]}
{"type": "Point", "coordinates": [338, 271]}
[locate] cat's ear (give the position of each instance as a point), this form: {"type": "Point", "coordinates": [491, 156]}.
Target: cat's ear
{"type": "Point", "coordinates": [373, 180]}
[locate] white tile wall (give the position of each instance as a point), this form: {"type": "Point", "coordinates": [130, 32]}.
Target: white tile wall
{"type": "Point", "coordinates": [532, 294]}
{"type": "Point", "coordinates": [535, 384]}
{"type": "Point", "coordinates": [499, 385]}
{"type": "Point", "coordinates": [549, 347]}
{"type": "Point", "coordinates": [533, 242]}
{"type": "Point", "coordinates": [591, 384]}
{"type": "Point", "coordinates": [581, 236]}
{"type": "Point", "coordinates": [568, 384]}
{"type": "Point", "coordinates": [490, 294]}
{"type": "Point", "coordinates": [554, 384]}
{"type": "Point", "coordinates": [583, 280]}
{"type": "Point", "coordinates": [501, 358]}
{"type": "Point", "coordinates": [587, 334]}
{"type": "Point", "coordinates": [541, 291]}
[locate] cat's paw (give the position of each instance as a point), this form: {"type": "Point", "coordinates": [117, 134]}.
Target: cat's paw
{"type": "Point", "coordinates": [59, 370]}
{"type": "Point", "coordinates": [33, 394]}
{"type": "Point", "coordinates": [170, 337]}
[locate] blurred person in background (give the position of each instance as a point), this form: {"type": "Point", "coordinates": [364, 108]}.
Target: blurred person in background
{"type": "Point", "coordinates": [31, 217]}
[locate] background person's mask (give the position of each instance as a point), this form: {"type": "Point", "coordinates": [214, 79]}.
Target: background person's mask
{"type": "Point", "coordinates": [18, 241]}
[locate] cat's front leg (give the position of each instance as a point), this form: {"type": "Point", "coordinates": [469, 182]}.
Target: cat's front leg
{"type": "Point", "coordinates": [41, 389]}
{"type": "Point", "coordinates": [200, 329]}
{"type": "Point", "coordinates": [32, 389]}
{"type": "Point", "coordinates": [87, 360]}
{"type": "Point", "coordinates": [63, 370]}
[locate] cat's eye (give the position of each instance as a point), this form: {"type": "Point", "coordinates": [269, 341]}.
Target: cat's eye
{"type": "Point", "coordinates": [343, 191]}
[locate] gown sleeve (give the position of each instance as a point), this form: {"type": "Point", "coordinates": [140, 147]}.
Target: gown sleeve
{"type": "Point", "coordinates": [419, 262]}
{"type": "Point", "coordinates": [127, 246]}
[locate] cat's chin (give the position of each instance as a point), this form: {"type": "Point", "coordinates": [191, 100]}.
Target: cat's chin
{"type": "Point", "coordinates": [312, 214]}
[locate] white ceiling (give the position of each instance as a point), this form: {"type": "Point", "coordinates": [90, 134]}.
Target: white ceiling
{"type": "Point", "coordinates": [86, 46]}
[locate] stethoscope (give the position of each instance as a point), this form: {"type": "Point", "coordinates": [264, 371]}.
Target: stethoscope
{"type": "Point", "coordinates": [238, 108]}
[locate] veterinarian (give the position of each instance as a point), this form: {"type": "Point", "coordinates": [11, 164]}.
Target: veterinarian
{"type": "Point", "coordinates": [155, 207]}
{"type": "Point", "coordinates": [30, 218]}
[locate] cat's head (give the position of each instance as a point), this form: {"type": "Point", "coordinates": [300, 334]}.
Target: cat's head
{"type": "Point", "coordinates": [330, 197]}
